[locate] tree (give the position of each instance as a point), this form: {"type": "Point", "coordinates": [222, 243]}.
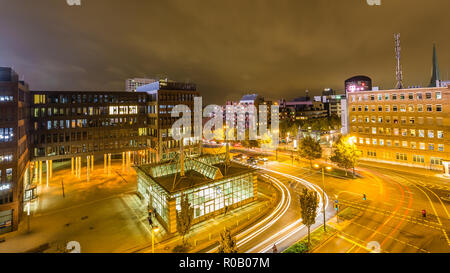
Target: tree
{"type": "Point", "coordinates": [308, 206]}
{"type": "Point", "coordinates": [227, 242]}
{"type": "Point", "coordinates": [345, 154]}
{"type": "Point", "coordinates": [250, 144]}
{"type": "Point", "coordinates": [310, 149]}
{"type": "Point", "coordinates": [184, 217]}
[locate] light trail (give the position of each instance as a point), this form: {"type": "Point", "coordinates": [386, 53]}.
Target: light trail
{"type": "Point", "coordinates": [282, 207]}
{"type": "Point", "coordinates": [296, 229]}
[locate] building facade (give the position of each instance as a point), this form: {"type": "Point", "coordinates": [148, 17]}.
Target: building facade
{"type": "Point", "coordinates": [211, 188]}
{"type": "Point", "coordinates": [14, 147]}
{"type": "Point", "coordinates": [39, 127]}
{"type": "Point", "coordinates": [403, 126]}
{"type": "Point", "coordinates": [131, 85]}
{"type": "Point", "coordinates": [300, 109]}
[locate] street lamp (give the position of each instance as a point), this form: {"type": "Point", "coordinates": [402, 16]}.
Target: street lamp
{"type": "Point", "coordinates": [352, 141]}
{"type": "Point", "coordinates": [155, 229]}
{"type": "Point", "coordinates": [328, 168]}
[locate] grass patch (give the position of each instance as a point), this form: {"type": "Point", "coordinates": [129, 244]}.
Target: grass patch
{"type": "Point", "coordinates": [348, 213]}
{"type": "Point", "coordinates": [317, 237]}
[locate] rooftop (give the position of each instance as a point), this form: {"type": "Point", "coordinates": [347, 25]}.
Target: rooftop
{"type": "Point", "coordinates": [167, 85]}
{"type": "Point", "coordinates": [198, 171]}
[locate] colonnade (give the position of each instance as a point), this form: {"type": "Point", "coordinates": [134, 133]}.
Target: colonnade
{"type": "Point", "coordinates": [128, 158]}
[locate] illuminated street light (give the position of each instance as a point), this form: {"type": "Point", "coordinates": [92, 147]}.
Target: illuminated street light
{"type": "Point", "coordinates": [328, 168]}
{"type": "Point", "coordinates": [155, 229]}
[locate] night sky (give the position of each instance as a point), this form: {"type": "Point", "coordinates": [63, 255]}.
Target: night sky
{"type": "Point", "coordinates": [228, 47]}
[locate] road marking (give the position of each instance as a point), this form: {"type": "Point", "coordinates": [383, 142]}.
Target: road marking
{"type": "Point", "coordinates": [400, 241]}
{"type": "Point", "coordinates": [353, 242]}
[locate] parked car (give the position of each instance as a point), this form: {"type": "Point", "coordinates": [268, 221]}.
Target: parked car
{"type": "Point", "coordinates": [251, 161]}
{"type": "Point", "coordinates": [264, 159]}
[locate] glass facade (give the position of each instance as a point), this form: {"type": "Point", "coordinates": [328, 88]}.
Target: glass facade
{"type": "Point", "coordinates": [209, 191]}
{"type": "Point", "coordinates": [215, 196]}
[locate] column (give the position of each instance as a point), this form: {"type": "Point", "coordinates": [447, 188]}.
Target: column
{"type": "Point", "coordinates": [88, 167]}
{"type": "Point", "coordinates": [76, 166]}
{"type": "Point", "coordinates": [71, 159]}
{"type": "Point", "coordinates": [123, 161]}
{"type": "Point", "coordinates": [109, 164]}
{"type": "Point", "coordinates": [40, 172]}
{"type": "Point", "coordinates": [46, 170]}
{"type": "Point", "coordinates": [105, 161]}
{"type": "Point", "coordinates": [92, 163]}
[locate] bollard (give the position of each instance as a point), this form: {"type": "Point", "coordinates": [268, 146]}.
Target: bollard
{"type": "Point", "coordinates": [210, 236]}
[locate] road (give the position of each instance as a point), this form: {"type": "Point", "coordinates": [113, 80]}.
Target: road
{"type": "Point", "coordinates": [391, 216]}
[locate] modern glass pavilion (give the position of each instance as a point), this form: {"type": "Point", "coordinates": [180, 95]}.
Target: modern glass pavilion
{"type": "Point", "coordinates": [209, 184]}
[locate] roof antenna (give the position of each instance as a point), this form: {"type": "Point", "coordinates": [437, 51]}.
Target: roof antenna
{"type": "Point", "coordinates": [398, 70]}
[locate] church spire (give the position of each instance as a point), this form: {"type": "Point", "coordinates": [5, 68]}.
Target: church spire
{"type": "Point", "coordinates": [435, 73]}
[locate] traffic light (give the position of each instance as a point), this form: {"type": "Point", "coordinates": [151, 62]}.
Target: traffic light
{"type": "Point", "coordinates": [364, 197]}
{"type": "Point", "coordinates": [336, 207]}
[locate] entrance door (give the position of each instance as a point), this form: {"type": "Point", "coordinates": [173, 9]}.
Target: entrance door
{"type": "Point", "coordinates": [209, 207]}
{"type": "Point", "coordinates": [6, 219]}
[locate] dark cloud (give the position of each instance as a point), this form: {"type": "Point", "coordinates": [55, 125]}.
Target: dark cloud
{"type": "Point", "coordinates": [275, 48]}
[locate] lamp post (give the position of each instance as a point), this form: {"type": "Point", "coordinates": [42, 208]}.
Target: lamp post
{"type": "Point", "coordinates": [28, 217]}
{"type": "Point", "coordinates": [337, 208]}
{"type": "Point", "coordinates": [155, 229]}
{"type": "Point", "coordinates": [323, 192]}
{"type": "Point", "coordinates": [352, 142]}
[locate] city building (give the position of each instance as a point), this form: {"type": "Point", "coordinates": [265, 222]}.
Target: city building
{"type": "Point", "coordinates": [211, 186]}
{"type": "Point", "coordinates": [14, 147]}
{"type": "Point", "coordinates": [302, 108]}
{"type": "Point", "coordinates": [131, 85]}
{"type": "Point", "coordinates": [402, 126]}
{"type": "Point", "coordinates": [358, 83]}
{"type": "Point", "coordinates": [331, 102]}
{"type": "Point", "coordinates": [248, 100]}
{"type": "Point", "coordinates": [39, 127]}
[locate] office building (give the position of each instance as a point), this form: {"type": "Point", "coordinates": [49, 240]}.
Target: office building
{"type": "Point", "coordinates": [39, 127]}
{"type": "Point", "coordinates": [131, 85]}
{"type": "Point", "coordinates": [14, 147]}
{"type": "Point", "coordinates": [402, 126]}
